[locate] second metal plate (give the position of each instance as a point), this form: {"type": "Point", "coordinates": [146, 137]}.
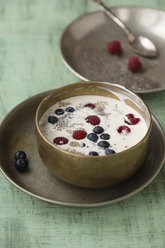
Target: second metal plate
{"type": "Point", "coordinates": [17, 132]}
{"type": "Point", "coordinates": [84, 48]}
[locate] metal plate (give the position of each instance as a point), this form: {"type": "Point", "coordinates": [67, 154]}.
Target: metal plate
{"type": "Point", "coordinates": [17, 132]}
{"type": "Point", "coordinates": [84, 48]}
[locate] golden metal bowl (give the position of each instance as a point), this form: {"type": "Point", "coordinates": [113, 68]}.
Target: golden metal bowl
{"type": "Point", "coordinates": [96, 171]}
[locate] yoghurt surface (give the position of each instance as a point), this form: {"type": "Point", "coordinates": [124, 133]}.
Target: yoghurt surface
{"type": "Point", "coordinates": [120, 125]}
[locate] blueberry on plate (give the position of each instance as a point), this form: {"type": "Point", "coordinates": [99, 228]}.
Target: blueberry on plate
{"type": "Point", "coordinates": [52, 119]}
{"type": "Point", "coordinates": [21, 164]}
{"type": "Point", "coordinates": [93, 154]}
{"type": "Point", "coordinates": [105, 136]}
{"type": "Point", "coordinates": [70, 109]}
{"type": "Point", "coordinates": [59, 111]}
{"type": "Point", "coordinates": [103, 144]}
{"type": "Point", "coordinates": [98, 130]}
{"type": "Point", "coordinates": [109, 152]}
{"type": "Point", "coordinates": [93, 137]}
{"type": "Point", "coordinates": [20, 154]}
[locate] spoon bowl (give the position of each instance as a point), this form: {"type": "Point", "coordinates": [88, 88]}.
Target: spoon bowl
{"type": "Point", "coordinates": [144, 46]}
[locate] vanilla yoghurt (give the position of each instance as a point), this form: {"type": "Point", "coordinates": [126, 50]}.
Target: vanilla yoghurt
{"type": "Point", "coordinates": [121, 126]}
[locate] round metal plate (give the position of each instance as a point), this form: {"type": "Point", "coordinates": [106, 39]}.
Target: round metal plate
{"type": "Point", "coordinates": [84, 48]}
{"type": "Point", "coordinates": [17, 132]}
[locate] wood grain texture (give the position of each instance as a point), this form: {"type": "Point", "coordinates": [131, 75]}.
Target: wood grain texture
{"type": "Point", "coordinates": [30, 62]}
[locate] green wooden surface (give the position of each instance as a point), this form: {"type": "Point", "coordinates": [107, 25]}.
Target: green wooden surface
{"type": "Point", "coordinates": [30, 63]}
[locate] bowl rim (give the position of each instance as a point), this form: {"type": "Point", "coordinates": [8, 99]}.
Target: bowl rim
{"type": "Point", "coordinates": [88, 156]}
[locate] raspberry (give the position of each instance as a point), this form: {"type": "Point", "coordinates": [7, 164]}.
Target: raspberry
{"type": "Point", "coordinates": [79, 134]}
{"type": "Point", "coordinates": [134, 64]}
{"type": "Point", "coordinates": [131, 120]}
{"type": "Point", "coordinates": [123, 130]}
{"type": "Point", "coordinates": [60, 141]}
{"type": "Point", "coordinates": [90, 105]}
{"type": "Point", "coordinates": [130, 116]}
{"type": "Point", "coordinates": [93, 119]}
{"type": "Point", "coordinates": [114, 47]}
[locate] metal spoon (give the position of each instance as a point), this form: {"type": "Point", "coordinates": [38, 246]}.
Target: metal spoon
{"type": "Point", "coordinates": [141, 44]}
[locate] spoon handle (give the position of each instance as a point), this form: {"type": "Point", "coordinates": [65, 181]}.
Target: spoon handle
{"type": "Point", "coordinates": [109, 13]}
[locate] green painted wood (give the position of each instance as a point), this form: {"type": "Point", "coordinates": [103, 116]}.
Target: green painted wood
{"type": "Point", "coordinates": [30, 63]}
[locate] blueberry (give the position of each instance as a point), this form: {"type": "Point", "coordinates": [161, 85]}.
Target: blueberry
{"type": "Point", "coordinates": [69, 109]}
{"type": "Point", "coordinates": [98, 130]}
{"type": "Point", "coordinates": [109, 152]}
{"type": "Point", "coordinates": [21, 164]}
{"type": "Point", "coordinates": [93, 154]}
{"type": "Point", "coordinates": [52, 119]}
{"type": "Point", "coordinates": [105, 136]}
{"type": "Point", "coordinates": [93, 137]}
{"type": "Point", "coordinates": [103, 144]}
{"type": "Point", "coordinates": [59, 111]}
{"type": "Point", "coordinates": [20, 154]}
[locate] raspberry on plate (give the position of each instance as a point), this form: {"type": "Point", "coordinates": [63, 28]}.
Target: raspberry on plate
{"type": "Point", "coordinates": [79, 134]}
{"type": "Point", "coordinates": [90, 105]}
{"type": "Point", "coordinates": [60, 141]}
{"type": "Point", "coordinates": [114, 47]}
{"type": "Point", "coordinates": [93, 119]}
{"type": "Point", "coordinates": [123, 130]}
{"type": "Point", "coordinates": [131, 120]}
{"type": "Point", "coordinates": [134, 64]}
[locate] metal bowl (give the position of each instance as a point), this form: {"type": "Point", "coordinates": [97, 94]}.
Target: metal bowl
{"type": "Point", "coordinates": [83, 47]}
{"type": "Point", "coordinates": [87, 171]}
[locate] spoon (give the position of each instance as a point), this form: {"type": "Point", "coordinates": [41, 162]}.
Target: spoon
{"type": "Point", "coordinates": [141, 44]}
